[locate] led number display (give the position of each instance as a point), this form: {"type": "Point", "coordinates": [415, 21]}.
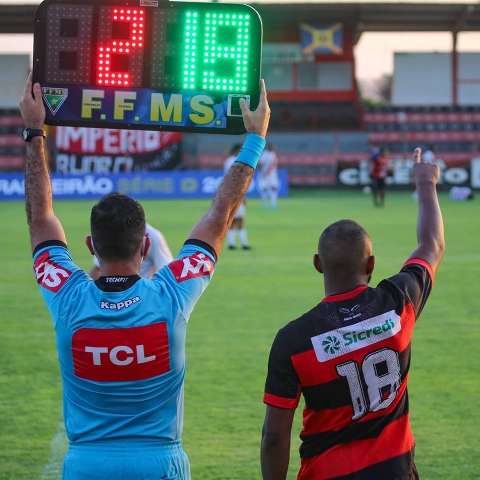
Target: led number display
{"type": "Point", "coordinates": [147, 65]}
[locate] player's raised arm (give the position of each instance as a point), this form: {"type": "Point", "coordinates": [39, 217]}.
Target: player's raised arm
{"type": "Point", "coordinates": [430, 234]}
{"type": "Point", "coordinates": [212, 228]}
{"type": "Point", "coordinates": [42, 222]}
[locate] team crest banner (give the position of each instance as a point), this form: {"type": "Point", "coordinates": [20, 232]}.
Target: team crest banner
{"type": "Point", "coordinates": [318, 38]}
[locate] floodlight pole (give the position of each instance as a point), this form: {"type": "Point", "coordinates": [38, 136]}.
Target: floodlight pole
{"type": "Point", "coordinates": [454, 56]}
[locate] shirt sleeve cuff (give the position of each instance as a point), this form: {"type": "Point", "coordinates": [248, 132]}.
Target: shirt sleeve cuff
{"type": "Point", "coordinates": [423, 263]}
{"type": "Point", "coordinates": [281, 402]}
{"type": "Point", "coordinates": [48, 243]}
{"type": "Point", "coordinates": [204, 245]}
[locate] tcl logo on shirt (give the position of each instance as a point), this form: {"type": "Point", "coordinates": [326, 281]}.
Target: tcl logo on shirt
{"type": "Point", "coordinates": [50, 275]}
{"type": "Point", "coordinates": [121, 354]}
{"type": "Point", "coordinates": [196, 265]}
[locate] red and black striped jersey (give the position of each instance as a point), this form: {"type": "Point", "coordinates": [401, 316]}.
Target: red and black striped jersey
{"type": "Point", "coordinates": [349, 357]}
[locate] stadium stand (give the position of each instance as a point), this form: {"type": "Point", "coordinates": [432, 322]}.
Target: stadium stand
{"type": "Point", "coordinates": [11, 144]}
{"type": "Point", "coordinates": [318, 120]}
{"type": "Point", "coordinates": [312, 157]}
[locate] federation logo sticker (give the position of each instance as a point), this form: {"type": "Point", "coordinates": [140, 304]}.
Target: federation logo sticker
{"type": "Point", "coordinates": [54, 98]}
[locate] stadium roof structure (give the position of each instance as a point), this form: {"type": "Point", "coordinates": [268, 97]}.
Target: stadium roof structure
{"type": "Point", "coordinates": [370, 16]}
{"type": "Point", "coordinates": [377, 16]}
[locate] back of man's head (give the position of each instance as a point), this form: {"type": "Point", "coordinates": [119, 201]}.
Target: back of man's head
{"type": "Point", "coordinates": [117, 224]}
{"type": "Point", "coordinates": [344, 248]}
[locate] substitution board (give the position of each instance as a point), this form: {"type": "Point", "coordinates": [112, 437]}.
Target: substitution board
{"type": "Point", "coordinates": [146, 64]}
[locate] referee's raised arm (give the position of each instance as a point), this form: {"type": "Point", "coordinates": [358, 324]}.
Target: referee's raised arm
{"type": "Point", "coordinates": [213, 226]}
{"type": "Point", "coordinates": [42, 221]}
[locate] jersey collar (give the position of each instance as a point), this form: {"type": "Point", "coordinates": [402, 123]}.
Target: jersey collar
{"type": "Point", "coordinates": [339, 297]}
{"type": "Point", "coordinates": [117, 283]}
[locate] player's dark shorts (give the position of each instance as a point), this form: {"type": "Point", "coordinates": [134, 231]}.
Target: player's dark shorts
{"type": "Point", "coordinates": [141, 462]}
{"type": "Point", "coordinates": [378, 183]}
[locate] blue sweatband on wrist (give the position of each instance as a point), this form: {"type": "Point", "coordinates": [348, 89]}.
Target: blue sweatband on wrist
{"type": "Point", "coordinates": [252, 150]}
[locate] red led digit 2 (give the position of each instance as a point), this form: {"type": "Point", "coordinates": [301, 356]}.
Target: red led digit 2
{"type": "Point", "coordinates": [120, 48]}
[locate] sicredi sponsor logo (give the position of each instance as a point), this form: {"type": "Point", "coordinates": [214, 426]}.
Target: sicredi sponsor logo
{"type": "Point", "coordinates": [343, 340]}
{"type": "Point", "coordinates": [119, 305]}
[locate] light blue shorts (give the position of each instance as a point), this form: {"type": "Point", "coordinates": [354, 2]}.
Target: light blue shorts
{"type": "Point", "coordinates": [159, 462]}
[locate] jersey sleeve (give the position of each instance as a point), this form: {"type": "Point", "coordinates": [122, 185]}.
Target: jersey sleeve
{"type": "Point", "coordinates": [187, 277]}
{"type": "Point", "coordinates": [282, 387]}
{"type": "Point", "coordinates": [412, 284]}
{"type": "Point", "coordinates": [55, 273]}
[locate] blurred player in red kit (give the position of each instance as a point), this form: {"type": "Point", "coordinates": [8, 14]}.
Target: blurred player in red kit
{"type": "Point", "coordinates": [378, 172]}
{"type": "Point", "coordinates": [349, 356]}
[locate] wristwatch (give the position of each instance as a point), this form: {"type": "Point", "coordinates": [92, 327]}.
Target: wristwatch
{"type": "Point", "coordinates": [29, 133]}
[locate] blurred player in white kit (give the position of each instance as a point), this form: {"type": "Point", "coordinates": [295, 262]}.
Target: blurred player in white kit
{"type": "Point", "coordinates": [238, 224]}
{"type": "Point", "coordinates": [268, 177]}
{"type": "Point", "coordinates": [158, 255]}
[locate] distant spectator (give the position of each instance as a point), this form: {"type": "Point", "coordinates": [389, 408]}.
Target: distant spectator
{"type": "Point", "coordinates": [378, 173]}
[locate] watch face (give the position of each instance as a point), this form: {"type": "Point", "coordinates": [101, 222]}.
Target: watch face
{"type": "Point", "coordinates": [25, 134]}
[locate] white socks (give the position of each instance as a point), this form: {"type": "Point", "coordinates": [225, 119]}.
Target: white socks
{"type": "Point", "coordinates": [273, 198]}
{"type": "Point", "coordinates": [243, 237]}
{"type": "Point", "coordinates": [232, 237]}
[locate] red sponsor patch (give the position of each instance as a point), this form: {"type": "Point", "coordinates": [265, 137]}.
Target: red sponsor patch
{"type": "Point", "coordinates": [194, 266]}
{"type": "Point", "coordinates": [49, 274]}
{"type": "Point", "coordinates": [121, 354]}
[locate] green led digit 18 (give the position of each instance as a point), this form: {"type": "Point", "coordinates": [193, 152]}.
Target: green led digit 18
{"type": "Point", "coordinates": [223, 61]}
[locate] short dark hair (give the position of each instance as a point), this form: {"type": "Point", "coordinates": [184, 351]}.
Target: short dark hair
{"type": "Point", "coordinates": [342, 247]}
{"type": "Point", "coordinates": [117, 224]}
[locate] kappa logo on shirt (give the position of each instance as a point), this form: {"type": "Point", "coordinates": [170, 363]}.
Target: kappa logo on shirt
{"type": "Point", "coordinates": [194, 266]}
{"type": "Point", "coordinates": [49, 274]}
{"type": "Point", "coordinates": [119, 305]}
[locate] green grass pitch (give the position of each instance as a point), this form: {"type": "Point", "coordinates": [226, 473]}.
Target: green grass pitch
{"type": "Point", "coordinates": [230, 332]}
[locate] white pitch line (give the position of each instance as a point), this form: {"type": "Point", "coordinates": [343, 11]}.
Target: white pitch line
{"type": "Point", "coordinates": [58, 448]}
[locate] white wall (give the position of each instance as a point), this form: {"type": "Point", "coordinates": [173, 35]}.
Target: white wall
{"type": "Point", "coordinates": [426, 79]}
{"type": "Point", "coordinates": [13, 70]}
{"type": "Point", "coordinates": [422, 79]}
{"type": "Point", "coordinates": [469, 79]}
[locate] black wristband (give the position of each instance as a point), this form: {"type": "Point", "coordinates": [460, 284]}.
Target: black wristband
{"type": "Point", "coordinates": [30, 133]}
